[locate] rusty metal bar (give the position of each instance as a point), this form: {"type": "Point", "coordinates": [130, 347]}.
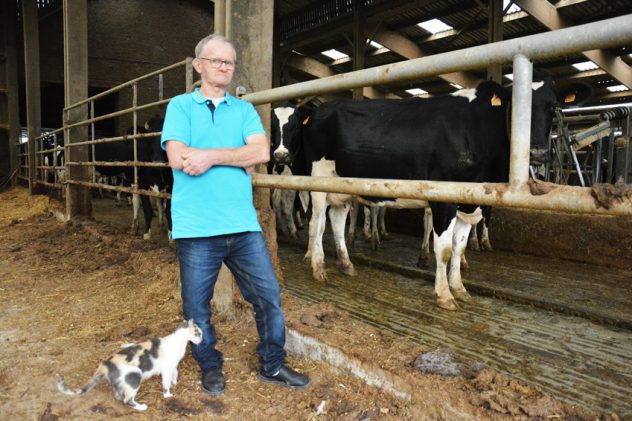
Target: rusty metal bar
{"type": "Point", "coordinates": [117, 138]}
{"type": "Point", "coordinates": [120, 164]}
{"type": "Point", "coordinates": [118, 113]}
{"type": "Point", "coordinates": [118, 188]}
{"type": "Point", "coordinates": [615, 32]}
{"type": "Point", "coordinates": [559, 198]}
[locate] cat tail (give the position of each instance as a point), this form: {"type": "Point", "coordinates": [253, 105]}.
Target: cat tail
{"type": "Point", "coordinates": [96, 379]}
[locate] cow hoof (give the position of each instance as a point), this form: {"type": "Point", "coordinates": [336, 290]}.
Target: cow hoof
{"type": "Point", "coordinates": [348, 270]}
{"type": "Point", "coordinates": [487, 246]}
{"type": "Point", "coordinates": [147, 236]}
{"type": "Point", "coordinates": [462, 295]}
{"type": "Point", "coordinates": [447, 304]}
{"type": "Point", "coordinates": [319, 273]}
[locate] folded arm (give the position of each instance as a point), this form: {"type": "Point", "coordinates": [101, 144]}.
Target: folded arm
{"type": "Point", "coordinates": [196, 161]}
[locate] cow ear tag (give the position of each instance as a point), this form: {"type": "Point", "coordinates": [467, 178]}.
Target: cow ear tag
{"type": "Point", "coordinates": [306, 121]}
{"type": "Point", "coordinates": [569, 98]}
{"type": "Point", "coordinates": [495, 101]}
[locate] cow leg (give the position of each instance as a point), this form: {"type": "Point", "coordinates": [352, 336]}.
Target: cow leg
{"type": "Point", "coordinates": [422, 262]}
{"type": "Point", "coordinates": [353, 221]}
{"type": "Point", "coordinates": [136, 210]}
{"type": "Point", "coordinates": [366, 228]}
{"type": "Point", "coordinates": [375, 235]}
{"type": "Point", "coordinates": [459, 241]}
{"type": "Point", "coordinates": [316, 230]}
{"type": "Point", "coordinates": [338, 217]}
{"type": "Point", "coordinates": [443, 221]}
{"type": "Point", "coordinates": [473, 241]}
{"type": "Point", "coordinates": [487, 219]}
{"type": "Point", "coordinates": [381, 223]}
{"type": "Point", "coordinates": [287, 211]}
{"type": "Point", "coordinates": [148, 214]}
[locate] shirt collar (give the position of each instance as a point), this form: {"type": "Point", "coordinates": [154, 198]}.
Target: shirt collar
{"type": "Point", "coordinates": [200, 99]}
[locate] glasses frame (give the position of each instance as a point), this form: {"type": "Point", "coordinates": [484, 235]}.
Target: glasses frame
{"type": "Point", "coordinates": [217, 63]}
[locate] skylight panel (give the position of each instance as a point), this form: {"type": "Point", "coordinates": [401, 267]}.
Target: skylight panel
{"type": "Point", "coordinates": [617, 88]}
{"type": "Point", "coordinates": [456, 85]}
{"type": "Point", "coordinates": [416, 91]}
{"type": "Point", "coordinates": [513, 9]}
{"type": "Point", "coordinates": [334, 54]}
{"type": "Point", "coordinates": [585, 65]}
{"type": "Point", "coordinates": [434, 26]}
{"type": "Point", "coordinates": [509, 76]}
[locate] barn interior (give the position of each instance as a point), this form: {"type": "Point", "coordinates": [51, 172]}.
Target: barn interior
{"type": "Point", "coordinates": [553, 298]}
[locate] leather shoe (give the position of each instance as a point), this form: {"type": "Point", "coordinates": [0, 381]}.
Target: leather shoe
{"type": "Point", "coordinates": [213, 382]}
{"type": "Point", "coordinates": [286, 377]}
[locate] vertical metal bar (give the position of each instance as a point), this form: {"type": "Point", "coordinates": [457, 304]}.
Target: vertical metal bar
{"type": "Point", "coordinates": [93, 146]}
{"type": "Point", "coordinates": [229, 20]}
{"type": "Point", "coordinates": [597, 150]}
{"type": "Point", "coordinates": [189, 74]}
{"type": "Point", "coordinates": [161, 83]}
{"type": "Point", "coordinates": [628, 155]}
{"type": "Point", "coordinates": [134, 122]}
{"type": "Point", "coordinates": [520, 120]}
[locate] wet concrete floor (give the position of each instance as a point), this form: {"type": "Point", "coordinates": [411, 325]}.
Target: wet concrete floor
{"type": "Point", "coordinates": [534, 334]}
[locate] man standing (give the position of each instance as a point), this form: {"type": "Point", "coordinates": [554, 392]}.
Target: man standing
{"type": "Point", "coordinates": [213, 142]}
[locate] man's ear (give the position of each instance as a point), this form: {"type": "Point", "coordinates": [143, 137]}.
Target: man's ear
{"type": "Point", "coordinates": [197, 65]}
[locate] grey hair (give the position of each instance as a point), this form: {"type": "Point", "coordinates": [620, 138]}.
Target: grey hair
{"type": "Point", "coordinates": [199, 48]}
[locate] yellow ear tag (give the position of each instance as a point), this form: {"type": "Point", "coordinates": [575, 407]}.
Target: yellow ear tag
{"type": "Point", "coordinates": [496, 102]}
{"type": "Point", "coordinates": [305, 121]}
{"type": "Point", "coordinates": [569, 98]}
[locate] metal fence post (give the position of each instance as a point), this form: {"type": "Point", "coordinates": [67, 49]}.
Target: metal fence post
{"type": "Point", "coordinates": [521, 120]}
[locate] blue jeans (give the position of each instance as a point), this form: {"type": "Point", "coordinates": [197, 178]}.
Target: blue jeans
{"type": "Point", "coordinates": [247, 257]}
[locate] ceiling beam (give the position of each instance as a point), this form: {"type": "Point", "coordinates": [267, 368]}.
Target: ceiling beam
{"type": "Point", "coordinates": [549, 16]}
{"type": "Point", "coordinates": [316, 69]}
{"type": "Point", "coordinates": [409, 50]}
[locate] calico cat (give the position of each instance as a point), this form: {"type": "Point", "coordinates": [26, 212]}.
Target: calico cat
{"type": "Point", "coordinates": [127, 368]}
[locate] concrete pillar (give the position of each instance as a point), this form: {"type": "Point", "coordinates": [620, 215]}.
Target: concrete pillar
{"type": "Point", "coordinates": [495, 34]}
{"type": "Point", "coordinates": [75, 16]}
{"type": "Point", "coordinates": [32, 75]}
{"type": "Point", "coordinates": [13, 97]}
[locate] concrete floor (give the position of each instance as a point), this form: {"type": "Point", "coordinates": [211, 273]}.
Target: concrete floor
{"type": "Point", "coordinates": [523, 320]}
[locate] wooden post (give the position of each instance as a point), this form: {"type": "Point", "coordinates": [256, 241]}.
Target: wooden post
{"type": "Point", "coordinates": [75, 15]}
{"type": "Point", "coordinates": [30, 23]}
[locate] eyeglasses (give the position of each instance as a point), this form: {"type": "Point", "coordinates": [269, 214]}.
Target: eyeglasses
{"type": "Point", "coordinates": [216, 63]}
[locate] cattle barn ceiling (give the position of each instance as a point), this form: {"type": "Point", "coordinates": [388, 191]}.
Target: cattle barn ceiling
{"type": "Point", "coordinates": [306, 29]}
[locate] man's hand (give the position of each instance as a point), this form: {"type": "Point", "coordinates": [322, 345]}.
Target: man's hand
{"type": "Point", "coordinates": [196, 161]}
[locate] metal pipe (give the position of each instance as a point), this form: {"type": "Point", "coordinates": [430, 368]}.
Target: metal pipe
{"type": "Point", "coordinates": [607, 33]}
{"type": "Point", "coordinates": [118, 188]}
{"type": "Point", "coordinates": [520, 120]}
{"type": "Point", "coordinates": [117, 113]}
{"type": "Point", "coordinates": [126, 84]}
{"type": "Point", "coordinates": [559, 198]}
{"type": "Point", "coordinates": [220, 17]}
{"type": "Point", "coordinates": [117, 138]}
{"type": "Point", "coordinates": [119, 164]}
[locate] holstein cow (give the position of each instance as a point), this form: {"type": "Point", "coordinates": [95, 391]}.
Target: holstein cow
{"type": "Point", "coordinates": [460, 137]}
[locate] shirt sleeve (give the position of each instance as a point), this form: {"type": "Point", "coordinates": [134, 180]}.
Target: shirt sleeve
{"type": "Point", "coordinates": [177, 125]}
{"type": "Point", "coordinates": [252, 122]}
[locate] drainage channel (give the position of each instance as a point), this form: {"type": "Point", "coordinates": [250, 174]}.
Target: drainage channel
{"type": "Point", "coordinates": [574, 359]}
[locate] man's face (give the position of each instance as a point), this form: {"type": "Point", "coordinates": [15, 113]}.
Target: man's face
{"type": "Point", "coordinates": [222, 75]}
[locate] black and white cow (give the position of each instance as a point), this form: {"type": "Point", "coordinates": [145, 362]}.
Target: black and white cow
{"type": "Point", "coordinates": [460, 137]}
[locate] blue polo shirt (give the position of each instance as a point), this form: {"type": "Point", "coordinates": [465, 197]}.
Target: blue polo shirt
{"type": "Point", "coordinates": [220, 200]}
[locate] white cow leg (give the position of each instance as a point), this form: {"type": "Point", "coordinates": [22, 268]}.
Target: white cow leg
{"type": "Point", "coordinates": [366, 228]}
{"type": "Point", "coordinates": [422, 262]}
{"type": "Point", "coordinates": [316, 231]}
{"type": "Point", "coordinates": [338, 217]}
{"type": "Point", "coordinates": [287, 200]}
{"type": "Point", "coordinates": [443, 252]}
{"type": "Point", "coordinates": [459, 242]}
{"type": "Point", "coordinates": [375, 235]}
{"type": "Point", "coordinates": [136, 211]}
{"type": "Point", "coordinates": [381, 224]}
{"type": "Point", "coordinates": [353, 221]}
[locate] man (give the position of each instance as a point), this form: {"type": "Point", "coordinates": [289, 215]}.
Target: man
{"type": "Point", "coordinates": [213, 141]}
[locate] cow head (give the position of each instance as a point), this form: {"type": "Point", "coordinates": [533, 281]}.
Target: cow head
{"type": "Point", "coordinates": [546, 98]}
{"type": "Point", "coordinates": [280, 122]}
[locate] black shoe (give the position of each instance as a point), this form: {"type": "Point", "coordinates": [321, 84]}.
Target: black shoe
{"type": "Point", "coordinates": [213, 382]}
{"type": "Point", "coordinates": [286, 377]}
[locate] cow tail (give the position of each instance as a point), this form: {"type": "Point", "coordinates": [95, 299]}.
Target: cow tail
{"type": "Point", "coordinates": [99, 375]}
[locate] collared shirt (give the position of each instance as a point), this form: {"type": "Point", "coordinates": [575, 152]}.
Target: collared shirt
{"type": "Point", "coordinates": [220, 200]}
